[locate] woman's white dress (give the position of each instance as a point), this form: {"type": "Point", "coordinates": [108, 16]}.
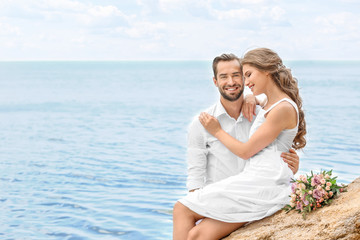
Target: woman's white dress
{"type": "Point", "coordinates": [260, 190]}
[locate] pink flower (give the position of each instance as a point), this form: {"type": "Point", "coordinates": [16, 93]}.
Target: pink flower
{"type": "Point", "coordinates": [299, 205]}
{"type": "Point", "coordinates": [306, 198]}
{"type": "Point", "coordinates": [303, 198]}
{"type": "Point", "coordinates": [303, 178]}
{"type": "Point", "coordinates": [301, 186]}
{"type": "Point", "coordinates": [316, 180]}
{"type": "Point", "coordinates": [318, 194]}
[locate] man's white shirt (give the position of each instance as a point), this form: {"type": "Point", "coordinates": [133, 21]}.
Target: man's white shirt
{"type": "Point", "coordinates": [207, 158]}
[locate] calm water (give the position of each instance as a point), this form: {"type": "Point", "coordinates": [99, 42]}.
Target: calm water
{"type": "Point", "coordinates": [96, 150]}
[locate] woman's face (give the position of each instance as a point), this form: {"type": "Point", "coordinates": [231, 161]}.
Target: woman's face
{"type": "Point", "coordinates": [256, 80]}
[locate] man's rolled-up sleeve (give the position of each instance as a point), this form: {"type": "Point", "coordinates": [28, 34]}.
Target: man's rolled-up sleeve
{"type": "Point", "coordinates": [196, 156]}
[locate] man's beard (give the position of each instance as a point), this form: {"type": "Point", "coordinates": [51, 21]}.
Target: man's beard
{"type": "Point", "coordinates": [231, 98]}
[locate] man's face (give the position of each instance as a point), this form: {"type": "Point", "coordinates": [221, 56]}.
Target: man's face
{"type": "Point", "coordinates": [229, 80]}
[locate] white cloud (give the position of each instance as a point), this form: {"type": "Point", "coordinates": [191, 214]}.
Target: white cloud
{"type": "Point", "coordinates": [143, 29]}
{"type": "Point", "coordinates": [102, 16]}
{"type": "Point", "coordinates": [247, 1]}
{"type": "Point", "coordinates": [9, 30]}
{"type": "Point", "coordinates": [186, 5]}
{"type": "Point", "coordinates": [65, 11]}
{"type": "Point", "coordinates": [151, 47]}
{"type": "Point", "coordinates": [69, 5]}
{"type": "Point", "coordinates": [175, 28]}
{"type": "Point", "coordinates": [241, 14]}
{"type": "Point", "coordinates": [104, 11]}
{"type": "Point", "coordinates": [339, 22]}
{"type": "Point", "coordinates": [185, 8]}
{"type": "Point", "coordinates": [277, 12]}
{"type": "Point", "coordinates": [170, 5]}
{"type": "Point", "coordinates": [244, 2]}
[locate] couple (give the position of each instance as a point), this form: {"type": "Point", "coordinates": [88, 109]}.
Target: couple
{"type": "Point", "coordinates": [238, 191]}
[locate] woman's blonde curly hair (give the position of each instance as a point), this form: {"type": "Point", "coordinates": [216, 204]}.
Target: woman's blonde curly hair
{"type": "Point", "coordinates": [266, 60]}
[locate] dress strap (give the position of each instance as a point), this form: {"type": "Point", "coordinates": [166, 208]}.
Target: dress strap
{"type": "Point", "coordinates": [289, 101]}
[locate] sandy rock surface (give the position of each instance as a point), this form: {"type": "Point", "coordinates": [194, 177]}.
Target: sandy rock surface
{"type": "Point", "coordinates": [339, 220]}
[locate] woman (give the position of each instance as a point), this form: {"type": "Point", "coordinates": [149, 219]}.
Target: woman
{"type": "Point", "coordinates": [263, 187]}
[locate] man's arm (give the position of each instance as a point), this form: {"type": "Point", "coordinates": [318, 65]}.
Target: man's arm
{"type": "Point", "coordinates": [196, 156]}
{"type": "Point", "coordinates": [292, 159]}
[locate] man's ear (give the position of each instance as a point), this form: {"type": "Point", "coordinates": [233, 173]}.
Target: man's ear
{"type": "Point", "coordinates": [215, 81]}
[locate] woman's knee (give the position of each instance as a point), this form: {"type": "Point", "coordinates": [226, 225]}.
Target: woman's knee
{"type": "Point", "coordinates": [179, 209]}
{"type": "Point", "coordinates": [194, 234]}
{"type": "Point", "coordinates": [199, 233]}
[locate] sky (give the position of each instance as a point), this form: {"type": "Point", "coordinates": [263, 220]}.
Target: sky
{"type": "Point", "coordinates": [177, 29]}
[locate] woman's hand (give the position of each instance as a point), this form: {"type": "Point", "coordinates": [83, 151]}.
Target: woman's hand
{"type": "Point", "coordinates": [210, 123]}
{"type": "Point", "coordinates": [249, 107]}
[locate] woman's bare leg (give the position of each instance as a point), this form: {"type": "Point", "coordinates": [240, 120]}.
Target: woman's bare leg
{"type": "Point", "coordinates": [183, 221]}
{"type": "Point", "coordinates": [211, 229]}
{"type": "Point", "coordinates": [184, 227]}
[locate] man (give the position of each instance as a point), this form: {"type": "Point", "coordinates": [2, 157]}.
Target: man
{"type": "Point", "coordinates": [208, 159]}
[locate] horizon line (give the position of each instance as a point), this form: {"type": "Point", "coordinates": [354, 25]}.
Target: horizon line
{"type": "Point", "coordinates": [162, 60]}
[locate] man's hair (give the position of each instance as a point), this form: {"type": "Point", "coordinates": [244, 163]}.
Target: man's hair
{"type": "Point", "coordinates": [223, 57]}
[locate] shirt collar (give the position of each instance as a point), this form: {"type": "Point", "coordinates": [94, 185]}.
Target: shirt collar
{"type": "Point", "coordinates": [220, 110]}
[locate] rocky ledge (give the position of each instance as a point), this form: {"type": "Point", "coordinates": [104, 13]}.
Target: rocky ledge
{"type": "Point", "coordinates": [339, 220]}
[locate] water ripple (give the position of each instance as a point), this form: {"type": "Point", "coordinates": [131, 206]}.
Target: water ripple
{"type": "Point", "coordinates": [82, 157]}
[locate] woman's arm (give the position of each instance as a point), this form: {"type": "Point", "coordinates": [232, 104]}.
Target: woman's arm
{"type": "Point", "coordinates": [283, 116]}
{"type": "Point", "coordinates": [249, 106]}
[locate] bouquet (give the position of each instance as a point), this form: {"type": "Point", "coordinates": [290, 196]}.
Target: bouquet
{"type": "Point", "coordinates": [312, 192]}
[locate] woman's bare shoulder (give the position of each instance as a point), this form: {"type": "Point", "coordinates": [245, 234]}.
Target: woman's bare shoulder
{"type": "Point", "coordinates": [284, 112]}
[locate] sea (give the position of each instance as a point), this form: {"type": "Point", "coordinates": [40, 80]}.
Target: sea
{"type": "Point", "coordinates": [97, 150]}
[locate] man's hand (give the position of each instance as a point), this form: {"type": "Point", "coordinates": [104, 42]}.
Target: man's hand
{"type": "Point", "coordinates": [249, 107]}
{"type": "Point", "coordinates": [292, 159]}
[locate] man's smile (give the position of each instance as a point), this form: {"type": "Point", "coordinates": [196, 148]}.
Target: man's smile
{"type": "Point", "coordinates": [232, 89]}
